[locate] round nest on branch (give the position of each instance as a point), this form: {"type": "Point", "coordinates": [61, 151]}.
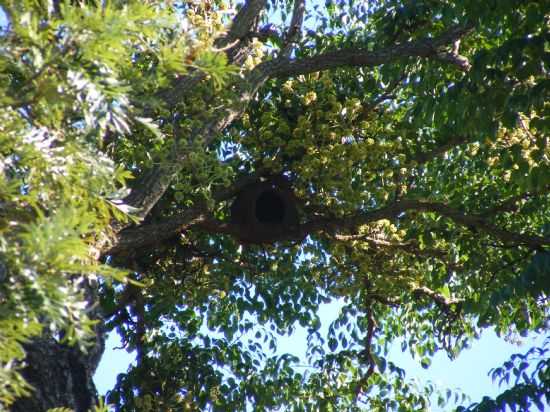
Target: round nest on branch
{"type": "Point", "coordinates": [264, 211]}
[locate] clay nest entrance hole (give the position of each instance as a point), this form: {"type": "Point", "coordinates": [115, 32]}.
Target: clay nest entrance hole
{"type": "Point", "coordinates": [264, 211]}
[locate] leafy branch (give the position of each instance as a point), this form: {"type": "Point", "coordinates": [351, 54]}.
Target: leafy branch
{"type": "Point", "coordinates": [426, 48]}
{"type": "Point", "coordinates": [153, 183]}
{"type": "Point", "coordinates": [149, 235]}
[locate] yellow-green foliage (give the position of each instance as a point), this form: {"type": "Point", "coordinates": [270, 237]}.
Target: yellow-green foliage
{"type": "Point", "coordinates": [64, 81]}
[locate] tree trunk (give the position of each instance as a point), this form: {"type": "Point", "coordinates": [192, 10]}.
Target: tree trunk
{"type": "Point", "coordinates": [62, 375]}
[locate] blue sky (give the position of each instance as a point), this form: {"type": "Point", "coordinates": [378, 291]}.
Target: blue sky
{"type": "Point", "coordinates": [468, 373]}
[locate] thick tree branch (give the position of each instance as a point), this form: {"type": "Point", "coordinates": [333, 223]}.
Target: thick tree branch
{"type": "Point", "coordinates": [455, 58]}
{"type": "Point", "coordinates": [295, 27]}
{"type": "Point", "coordinates": [242, 30]}
{"type": "Point", "coordinates": [428, 47]}
{"type": "Point", "coordinates": [514, 203]}
{"type": "Point", "coordinates": [154, 234]}
{"type": "Point", "coordinates": [149, 235]}
{"type": "Point", "coordinates": [245, 19]}
{"type": "Point", "coordinates": [393, 210]}
{"type": "Point", "coordinates": [62, 374]}
{"type": "Point", "coordinates": [154, 183]}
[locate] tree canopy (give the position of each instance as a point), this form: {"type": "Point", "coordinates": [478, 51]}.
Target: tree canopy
{"type": "Point", "coordinates": [200, 176]}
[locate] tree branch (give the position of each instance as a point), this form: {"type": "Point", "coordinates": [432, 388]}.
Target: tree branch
{"type": "Point", "coordinates": [245, 19]}
{"type": "Point", "coordinates": [295, 27]}
{"type": "Point", "coordinates": [455, 58]}
{"type": "Point", "coordinates": [514, 203]}
{"type": "Point", "coordinates": [231, 43]}
{"type": "Point", "coordinates": [154, 183]}
{"type": "Point", "coordinates": [425, 157]}
{"type": "Point", "coordinates": [427, 47]}
{"type": "Point", "coordinates": [149, 235]}
{"type": "Point", "coordinates": [152, 234]}
{"type": "Point", "coordinates": [395, 209]}
{"type": "Point", "coordinates": [366, 353]}
{"type": "Point", "coordinates": [387, 94]}
{"type": "Point", "coordinates": [410, 247]}
{"type": "Point", "coordinates": [444, 303]}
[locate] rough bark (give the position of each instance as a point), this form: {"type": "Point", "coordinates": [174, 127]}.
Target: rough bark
{"type": "Point", "coordinates": [426, 48]}
{"type": "Point", "coordinates": [150, 235]}
{"type": "Point", "coordinates": [350, 224]}
{"type": "Point", "coordinates": [62, 375]}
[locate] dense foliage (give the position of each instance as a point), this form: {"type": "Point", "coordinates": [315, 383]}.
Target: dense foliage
{"type": "Point", "coordinates": [414, 137]}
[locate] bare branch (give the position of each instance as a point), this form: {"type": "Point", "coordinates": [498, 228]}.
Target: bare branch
{"type": "Point", "coordinates": [155, 233]}
{"type": "Point", "coordinates": [455, 58]}
{"type": "Point", "coordinates": [245, 19]}
{"type": "Point", "coordinates": [427, 47]}
{"type": "Point", "coordinates": [295, 27]}
{"type": "Point", "coordinates": [150, 235]}
{"type": "Point", "coordinates": [444, 303]}
{"type": "Point", "coordinates": [393, 210]}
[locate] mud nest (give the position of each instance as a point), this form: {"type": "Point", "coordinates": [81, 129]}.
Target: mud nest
{"type": "Point", "coordinates": [265, 211]}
